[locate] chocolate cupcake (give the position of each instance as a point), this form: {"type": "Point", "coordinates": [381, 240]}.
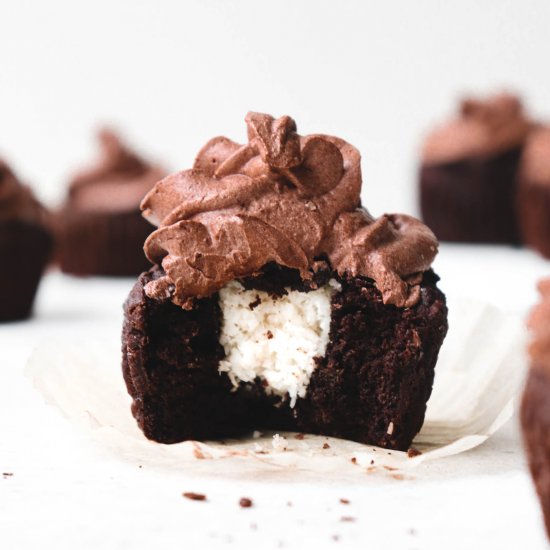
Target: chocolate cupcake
{"type": "Point", "coordinates": [534, 191]}
{"type": "Point", "coordinates": [276, 300]}
{"type": "Point", "coordinates": [25, 246]}
{"type": "Point", "coordinates": [469, 171]}
{"type": "Point", "coordinates": [100, 227]}
{"type": "Point", "coordinates": [535, 407]}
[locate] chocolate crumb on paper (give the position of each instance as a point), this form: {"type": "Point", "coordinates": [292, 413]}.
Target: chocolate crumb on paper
{"type": "Point", "coordinates": [326, 446]}
{"type": "Point", "coordinates": [5, 475]}
{"type": "Point", "coordinates": [344, 501]}
{"type": "Point", "coordinates": [412, 452]}
{"type": "Point", "coordinates": [300, 436]}
{"type": "Point", "coordinates": [194, 496]}
{"type": "Point", "coordinates": [348, 519]}
{"type": "Point", "coordinates": [353, 460]}
{"type": "Point", "coordinates": [269, 335]}
{"type": "Point", "coordinates": [245, 502]}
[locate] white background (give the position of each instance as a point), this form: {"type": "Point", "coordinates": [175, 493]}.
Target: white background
{"type": "Point", "coordinates": [172, 74]}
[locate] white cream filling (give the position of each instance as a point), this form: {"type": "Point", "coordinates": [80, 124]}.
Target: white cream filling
{"type": "Point", "coordinates": [277, 340]}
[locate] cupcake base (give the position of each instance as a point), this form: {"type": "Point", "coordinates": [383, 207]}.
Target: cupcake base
{"type": "Point", "coordinates": [535, 423]}
{"type": "Point", "coordinates": [472, 200]}
{"type": "Point", "coordinates": [371, 385]}
{"type": "Point", "coordinates": [28, 247]}
{"type": "Point", "coordinates": [102, 244]}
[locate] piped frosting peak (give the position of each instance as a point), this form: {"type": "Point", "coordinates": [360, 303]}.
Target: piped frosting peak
{"type": "Point", "coordinates": [284, 198]}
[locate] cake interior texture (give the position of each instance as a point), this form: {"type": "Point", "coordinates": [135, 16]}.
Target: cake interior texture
{"type": "Point", "coordinates": [233, 362]}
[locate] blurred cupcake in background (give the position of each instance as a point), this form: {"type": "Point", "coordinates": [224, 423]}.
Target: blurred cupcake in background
{"type": "Point", "coordinates": [535, 405]}
{"type": "Point", "coordinates": [534, 191]}
{"type": "Point", "coordinates": [100, 228]}
{"type": "Point", "coordinates": [25, 246]}
{"type": "Point", "coordinates": [468, 172]}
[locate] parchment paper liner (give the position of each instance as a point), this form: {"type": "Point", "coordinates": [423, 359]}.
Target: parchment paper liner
{"type": "Point", "coordinates": [478, 376]}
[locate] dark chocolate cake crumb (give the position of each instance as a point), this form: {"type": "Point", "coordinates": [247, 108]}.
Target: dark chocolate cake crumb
{"type": "Point", "coordinates": [5, 475]}
{"type": "Point", "coordinates": [300, 436]}
{"type": "Point", "coordinates": [412, 452]}
{"type": "Point", "coordinates": [348, 519]}
{"type": "Point", "coordinates": [344, 501]}
{"type": "Point", "coordinates": [269, 335]}
{"type": "Point", "coordinates": [194, 496]}
{"type": "Point", "coordinates": [255, 303]}
{"type": "Point", "coordinates": [335, 538]}
{"type": "Point", "coordinates": [245, 502]}
{"type": "Point", "coordinates": [353, 460]}
{"type": "Point", "coordinates": [289, 504]}
{"type": "Point", "coordinates": [326, 446]}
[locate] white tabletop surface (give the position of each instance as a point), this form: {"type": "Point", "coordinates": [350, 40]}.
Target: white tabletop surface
{"type": "Point", "coordinates": [68, 492]}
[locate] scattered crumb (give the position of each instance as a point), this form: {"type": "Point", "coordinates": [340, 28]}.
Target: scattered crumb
{"type": "Point", "coordinates": [335, 538]}
{"type": "Point", "coordinates": [390, 428]}
{"type": "Point", "coordinates": [245, 502]}
{"type": "Point", "coordinates": [269, 335]}
{"type": "Point", "coordinates": [279, 443]}
{"type": "Point", "coordinates": [5, 475]}
{"type": "Point", "coordinates": [398, 477]}
{"type": "Point", "coordinates": [372, 462]}
{"type": "Point", "coordinates": [255, 303]}
{"type": "Point", "coordinates": [348, 519]}
{"type": "Point", "coordinates": [412, 531]}
{"type": "Point", "coordinates": [256, 434]}
{"type": "Point", "coordinates": [412, 452]}
{"type": "Point", "coordinates": [390, 468]}
{"type": "Point", "coordinates": [371, 469]}
{"type": "Point", "coordinates": [194, 496]}
{"type": "Point", "coordinates": [289, 504]}
{"type": "Point", "coordinates": [353, 460]}
{"type": "Point", "coordinates": [299, 436]}
{"type": "Point", "coordinates": [326, 446]}
{"type": "Point", "coordinates": [140, 466]}
{"type": "Point", "coordinates": [344, 501]}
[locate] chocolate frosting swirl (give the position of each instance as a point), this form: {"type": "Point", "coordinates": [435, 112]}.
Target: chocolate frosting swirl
{"type": "Point", "coordinates": [483, 127]}
{"type": "Point", "coordinates": [17, 201]}
{"type": "Point", "coordinates": [539, 323]}
{"type": "Point", "coordinates": [279, 198]}
{"type": "Point", "coordinates": [117, 183]}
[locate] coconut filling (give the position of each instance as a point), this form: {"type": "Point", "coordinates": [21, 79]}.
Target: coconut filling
{"type": "Point", "coordinates": [274, 339]}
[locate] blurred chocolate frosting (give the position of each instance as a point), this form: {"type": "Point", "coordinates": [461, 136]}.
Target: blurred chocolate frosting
{"type": "Point", "coordinates": [17, 201]}
{"type": "Point", "coordinates": [483, 127]}
{"type": "Point", "coordinates": [117, 183]}
{"type": "Point", "coordinates": [535, 160]}
{"type": "Point", "coordinates": [539, 323]}
{"type": "Point", "coordinates": [279, 198]}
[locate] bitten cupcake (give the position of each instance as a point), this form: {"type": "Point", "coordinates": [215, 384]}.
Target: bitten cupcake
{"type": "Point", "coordinates": [25, 246]}
{"type": "Point", "coordinates": [100, 228]}
{"type": "Point", "coordinates": [535, 407]}
{"type": "Point", "coordinates": [469, 171]}
{"type": "Point", "coordinates": [534, 191]}
{"type": "Point", "coordinates": [276, 300]}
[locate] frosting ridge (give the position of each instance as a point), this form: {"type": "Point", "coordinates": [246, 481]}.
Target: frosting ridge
{"type": "Point", "coordinates": [282, 198]}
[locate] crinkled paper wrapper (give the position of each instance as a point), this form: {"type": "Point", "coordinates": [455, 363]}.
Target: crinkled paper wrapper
{"type": "Point", "coordinates": [478, 377]}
